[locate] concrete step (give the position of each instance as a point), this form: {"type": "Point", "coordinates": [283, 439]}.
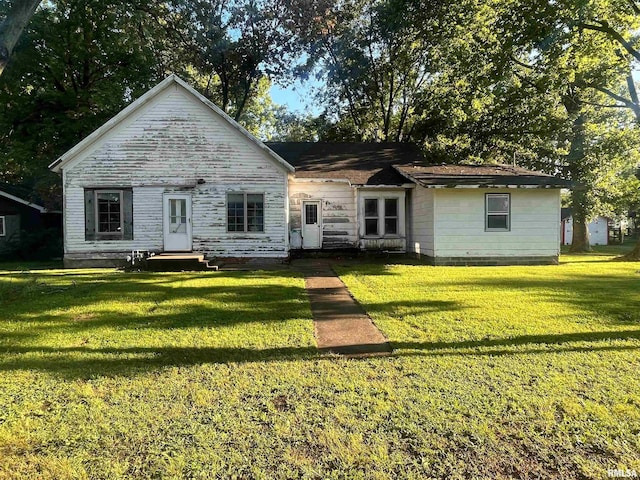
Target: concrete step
{"type": "Point", "coordinates": [179, 262]}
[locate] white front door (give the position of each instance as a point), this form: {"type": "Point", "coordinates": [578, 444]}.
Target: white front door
{"type": "Point", "coordinates": [177, 222]}
{"type": "Point", "coordinates": [311, 225]}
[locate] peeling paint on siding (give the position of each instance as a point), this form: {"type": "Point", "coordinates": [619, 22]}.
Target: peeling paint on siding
{"type": "Point", "coordinates": [177, 140]}
{"type": "Point", "coordinates": [338, 207]}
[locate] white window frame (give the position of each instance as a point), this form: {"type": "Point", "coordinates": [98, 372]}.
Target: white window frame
{"type": "Point", "coordinates": [97, 214]}
{"type": "Point", "coordinates": [3, 222]}
{"type": "Point", "coordinates": [246, 217]}
{"type": "Point", "coordinates": [487, 214]}
{"type": "Point", "coordinates": [381, 199]}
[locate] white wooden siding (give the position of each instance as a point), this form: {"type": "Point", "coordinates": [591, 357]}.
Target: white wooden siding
{"type": "Point", "coordinates": [169, 145]}
{"type": "Point", "coordinates": [422, 221]}
{"type": "Point", "coordinates": [460, 224]}
{"type": "Point", "coordinates": [339, 225]}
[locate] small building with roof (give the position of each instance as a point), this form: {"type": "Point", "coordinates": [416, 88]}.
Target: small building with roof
{"type": "Point", "coordinates": [23, 215]}
{"type": "Point", "coordinates": [598, 228]}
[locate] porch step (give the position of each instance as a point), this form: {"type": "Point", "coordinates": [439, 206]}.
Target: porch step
{"type": "Point", "coordinates": [178, 262]}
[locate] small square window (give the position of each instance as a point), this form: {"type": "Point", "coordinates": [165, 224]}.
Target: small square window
{"type": "Point", "coordinates": [245, 212]}
{"type": "Point", "coordinates": [381, 216]}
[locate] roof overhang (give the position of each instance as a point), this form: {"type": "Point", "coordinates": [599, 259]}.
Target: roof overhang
{"type": "Point", "coordinates": [388, 187]}
{"type": "Point", "coordinates": [171, 80]}
{"type": "Point", "coordinates": [35, 206]}
{"type": "Point", "coordinates": [429, 180]}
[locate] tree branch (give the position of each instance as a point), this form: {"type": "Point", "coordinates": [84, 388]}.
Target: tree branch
{"type": "Point", "coordinates": [634, 6]}
{"type": "Point", "coordinates": [12, 27]}
{"type": "Point", "coordinates": [604, 27]}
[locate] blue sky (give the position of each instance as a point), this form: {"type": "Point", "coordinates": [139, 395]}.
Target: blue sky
{"type": "Point", "coordinates": [298, 97]}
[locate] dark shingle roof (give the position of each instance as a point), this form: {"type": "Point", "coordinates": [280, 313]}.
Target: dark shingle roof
{"type": "Point", "coordinates": [359, 163]}
{"type": "Point", "coordinates": [398, 164]}
{"type": "Point", "coordinates": [480, 175]}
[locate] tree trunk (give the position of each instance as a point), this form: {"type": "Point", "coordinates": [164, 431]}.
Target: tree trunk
{"type": "Point", "coordinates": [580, 242]}
{"type": "Point", "coordinates": [12, 26]}
{"type": "Point", "coordinates": [581, 204]}
{"type": "Point", "coordinates": [634, 254]}
{"type": "Point", "coordinates": [580, 210]}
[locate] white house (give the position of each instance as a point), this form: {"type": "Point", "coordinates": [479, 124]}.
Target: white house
{"type": "Point", "coordinates": [173, 173]}
{"type": "Point", "coordinates": [598, 229]}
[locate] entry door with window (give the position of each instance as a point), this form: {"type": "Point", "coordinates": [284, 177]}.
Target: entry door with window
{"type": "Point", "coordinates": [311, 225]}
{"type": "Point", "coordinates": [177, 223]}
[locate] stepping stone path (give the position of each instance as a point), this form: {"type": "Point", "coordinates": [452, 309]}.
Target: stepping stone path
{"type": "Point", "coordinates": [341, 325]}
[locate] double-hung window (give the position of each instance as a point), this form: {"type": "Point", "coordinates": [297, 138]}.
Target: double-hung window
{"type": "Point", "coordinates": [391, 216]}
{"type": "Point", "coordinates": [371, 217]}
{"type": "Point", "coordinates": [497, 212]}
{"type": "Point", "coordinates": [381, 216]}
{"type": "Point", "coordinates": [245, 212]}
{"type": "Point", "coordinates": [3, 228]}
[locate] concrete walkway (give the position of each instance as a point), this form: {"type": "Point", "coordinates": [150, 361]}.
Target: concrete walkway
{"type": "Point", "coordinates": [341, 325]}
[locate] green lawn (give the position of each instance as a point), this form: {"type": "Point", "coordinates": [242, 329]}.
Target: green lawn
{"type": "Point", "coordinates": [499, 372]}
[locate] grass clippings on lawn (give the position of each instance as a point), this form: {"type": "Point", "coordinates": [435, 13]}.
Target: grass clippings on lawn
{"type": "Point", "coordinates": [505, 372]}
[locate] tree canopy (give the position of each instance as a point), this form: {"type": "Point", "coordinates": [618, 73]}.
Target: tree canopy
{"type": "Point", "coordinates": [544, 84]}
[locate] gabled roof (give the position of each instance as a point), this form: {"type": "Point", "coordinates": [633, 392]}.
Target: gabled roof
{"type": "Point", "coordinates": [358, 163]}
{"type": "Point", "coordinates": [480, 176]}
{"type": "Point", "coordinates": [143, 100]}
{"type": "Point", "coordinates": [10, 192]}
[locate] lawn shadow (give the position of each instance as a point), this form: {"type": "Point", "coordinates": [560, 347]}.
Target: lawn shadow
{"type": "Point", "coordinates": [551, 343]}
{"type": "Point", "coordinates": [86, 309]}
{"type": "Point", "coordinates": [615, 299]}
{"type": "Point", "coordinates": [84, 362]}
{"type": "Point", "coordinates": [21, 266]}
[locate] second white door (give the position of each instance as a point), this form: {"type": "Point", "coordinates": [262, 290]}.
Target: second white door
{"type": "Point", "coordinates": [311, 225]}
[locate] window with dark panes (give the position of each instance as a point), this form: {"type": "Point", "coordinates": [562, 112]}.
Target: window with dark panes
{"type": "Point", "coordinates": [3, 229]}
{"type": "Point", "coordinates": [371, 220]}
{"type": "Point", "coordinates": [235, 212]}
{"type": "Point", "coordinates": [310, 213]}
{"type": "Point", "coordinates": [245, 212]}
{"type": "Point", "coordinates": [498, 211]}
{"type": "Point", "coordinates": [391, 216]}
{"type": "Point", "coordinates": [108, 214]}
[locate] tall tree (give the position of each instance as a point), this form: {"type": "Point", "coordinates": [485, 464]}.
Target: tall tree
{"type": "Point", "coordinates": [235, 45]}
{"type": "Point", "coordinates": [15, 20]}
{"type": "Point", "coordinates": [592, 48]}
{"type": "Point", "coordinates": [79, 63]}
{"type": "Point", "coordinates": [373, 64]}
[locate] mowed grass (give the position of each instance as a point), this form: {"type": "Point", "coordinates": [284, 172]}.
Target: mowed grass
{"type": "Point", "coordinates": [505, 372]}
